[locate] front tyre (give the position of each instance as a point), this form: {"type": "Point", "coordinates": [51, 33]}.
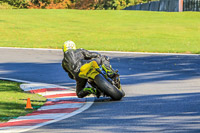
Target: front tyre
{"type": "Point", "coordinates": [107, 88]}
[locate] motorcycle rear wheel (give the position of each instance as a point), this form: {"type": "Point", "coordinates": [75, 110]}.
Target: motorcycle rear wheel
{"type": "Point", "coordinates": [108, 88]}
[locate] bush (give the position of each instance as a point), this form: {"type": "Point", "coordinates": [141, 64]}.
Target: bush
{"type": "Point", "coordinates": [100, 4]}
{"type": "Point", "coordinates": [50, 4]}
{"type": "Point", "coordinates": [5, 6]}
{"type": "Point", "coordinates": [114, 4]}
{"type": "Point", "coordinates": [16, 3]}
{"type": "Point", "coordinates": [71, 4]}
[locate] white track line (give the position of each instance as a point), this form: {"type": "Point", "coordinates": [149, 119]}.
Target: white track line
{"type": "Point", "coordinates": [34, 83]}
{"type": "Point", "coordinates": [58, 116]}
{"type": "Point", "coordinates": [54, 92]}
{"type": "Point", "coordinates": [117, 52]}
{"type": "Point", "coordinates": [15, 129]}
{"type": "Point", "coordinates": [28, 87]}
{"type": "Point", "coordinates": [86, 106]}
{"type": "Point", "coordinates": [62, 106]}
{"type": "Point", "coordinates": [42, 116]}
{"type": "Point", "coordinates": [62, 99]}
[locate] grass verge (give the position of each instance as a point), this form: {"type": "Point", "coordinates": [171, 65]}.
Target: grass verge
{"type": "Point", "coordinates": [169, 32]}
{"type": "Point", "coordinates": [13, 101]}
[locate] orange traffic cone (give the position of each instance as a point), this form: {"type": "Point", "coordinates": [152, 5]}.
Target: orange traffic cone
{"type": "Point", "coordinates": [28, 105]}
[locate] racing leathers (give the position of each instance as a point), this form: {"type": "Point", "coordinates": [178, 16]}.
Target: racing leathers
{"type": "Point", "coordinates": [74, 59]}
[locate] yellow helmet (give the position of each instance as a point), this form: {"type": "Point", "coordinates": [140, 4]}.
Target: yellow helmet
{"type": "Point", "coordinates": [68, 45]}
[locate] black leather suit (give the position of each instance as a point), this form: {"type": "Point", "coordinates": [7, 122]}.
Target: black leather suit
{"type": "Point", "coordinates": [74, 59]}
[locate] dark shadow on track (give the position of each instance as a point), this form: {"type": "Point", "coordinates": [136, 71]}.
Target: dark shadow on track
{"type": "Point", "coordinates": [175, 112]}
{"type": "Point", "coordinates": [132, 70]}
{"type": "Point", "coordinates": [36, 72]}
{"type": "Point", "coordinates": [152, 113]}
{"type": "Point", "coordinates": [145, 69]}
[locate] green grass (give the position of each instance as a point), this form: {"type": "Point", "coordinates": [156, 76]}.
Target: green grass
{"type": "Point", "coordinates": [13, 101]}
{"type": "Point", "coordinates": [102, 30]}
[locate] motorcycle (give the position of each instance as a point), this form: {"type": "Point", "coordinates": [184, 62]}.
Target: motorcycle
{"type": "Point", "coordinates": [105, 80]}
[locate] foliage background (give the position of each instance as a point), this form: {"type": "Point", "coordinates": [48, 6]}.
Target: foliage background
{"type": "Point", "coordinates": [70, 4]}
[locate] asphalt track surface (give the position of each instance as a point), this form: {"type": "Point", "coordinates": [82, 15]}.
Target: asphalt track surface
{"type": "Point", "coordinates": [162, 91]}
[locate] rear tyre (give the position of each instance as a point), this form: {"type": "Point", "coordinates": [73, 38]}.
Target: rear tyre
{"type": "Point", "coordinates": [107, 88]}
{"type": "Point", "coordinates": [123, 93]}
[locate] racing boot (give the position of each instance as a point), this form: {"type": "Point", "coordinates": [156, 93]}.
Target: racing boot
{"type": "Point", "coordinates": [87, 91]}
{"type": "Point", "coordinates": [98, 93]}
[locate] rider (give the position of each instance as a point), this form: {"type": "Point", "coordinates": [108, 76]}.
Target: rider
{"type": "Point", "coordinates": [74, 59]}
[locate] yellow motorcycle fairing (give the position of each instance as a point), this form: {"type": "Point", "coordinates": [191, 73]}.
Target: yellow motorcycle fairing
{"type": "Point", "coordinates": [88, 70]}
